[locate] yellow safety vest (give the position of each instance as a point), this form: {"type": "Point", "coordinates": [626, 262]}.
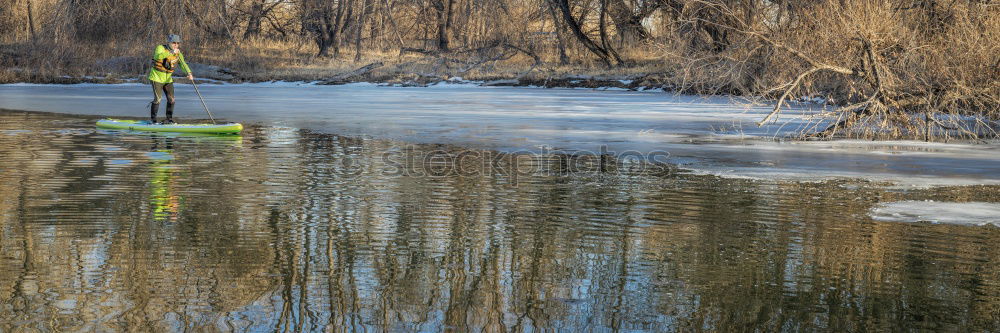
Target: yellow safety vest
{"type": "Point", "coordinates": [164, 64]}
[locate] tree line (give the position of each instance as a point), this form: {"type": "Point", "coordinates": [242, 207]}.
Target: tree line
{"type": "Point", "coordinates": [600, 26]}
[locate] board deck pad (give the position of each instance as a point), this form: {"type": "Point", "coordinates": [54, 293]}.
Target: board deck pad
{"type": "Point", "coordinates": [146, 126]}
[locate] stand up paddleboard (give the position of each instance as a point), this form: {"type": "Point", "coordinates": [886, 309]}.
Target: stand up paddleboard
{"type": "Point", "coordinates": [146, 126]}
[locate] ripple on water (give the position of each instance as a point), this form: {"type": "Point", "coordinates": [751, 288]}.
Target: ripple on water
{"type": "Point", "coordinates": [283, 229]}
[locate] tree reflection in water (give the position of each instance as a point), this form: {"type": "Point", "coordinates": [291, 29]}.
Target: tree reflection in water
{"type": "Point", "coordinates": [283, 230]}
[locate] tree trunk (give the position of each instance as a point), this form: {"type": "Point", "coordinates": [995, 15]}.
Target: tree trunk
{"type": "Point", "coordinates": [464, 31]}
{"type": "Point", "coordinates": [324, 47]}
{"type": "Point", "coordinates": [444, 23]}
{"type": "Point", "coordinates": [571, 22]}
{"type": "Point", "coordinates": [319, 20]}
{"type": "Point", "coordinates": [254, 19]}
{"type": "Point", "coordinates": [557, 27]}
{"type": "Point", "coordinates": [450, 19]}
{"type": "Point", "coordinates": [377, 27]}
{"type": "Point", "coordinates": [343, 22]}
{"type": "Point", "coordinates": [604, 32]}
{"type": "Point", "coordinates": [31, 22]}
{"type": "Point", "coordinates": [323, 34]}
{"type": "Point", "coordinates": [361, 28]}
{"type": "Point", "coordinates": [392, 21]}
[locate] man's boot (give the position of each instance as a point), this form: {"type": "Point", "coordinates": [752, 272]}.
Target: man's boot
{"type": "Point", "coordinates": [153, 108]}
{"type": "Point", "coordinates": [170, 114]}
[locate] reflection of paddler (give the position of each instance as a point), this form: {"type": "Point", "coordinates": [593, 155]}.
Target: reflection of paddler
{"type": "Point", "coordinates": [165, 203]}
{"type": "Point", "coordinates": [234, 140]}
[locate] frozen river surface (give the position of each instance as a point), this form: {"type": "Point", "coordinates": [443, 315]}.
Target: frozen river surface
{"type": "Point", "coordinates": [706, 135]}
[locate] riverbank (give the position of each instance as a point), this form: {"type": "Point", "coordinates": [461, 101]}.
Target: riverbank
{"type": "Point", "coordinates": [426, 72]}
{"type": "Point", "coordinates": [892, 71]}
{"type": "Point", "coordinates": [419, 72]}
{"type": "Point", "coordinates": [844, 119]}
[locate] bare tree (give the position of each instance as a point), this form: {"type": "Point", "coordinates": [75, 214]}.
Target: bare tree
{"type": "Point", "coordinates": [323, 23]}
{"type": "Point", "coordinates": [557, 26]}
{"type": "Point", "coordinates": [574, 26]}
{"type": "Point", "coordinates": [31, 21]}
{"type": "Point", "coordinates": [258, 12]}
{"type": "Point", "coordinates": [444, 16]}
{"type": "Point", "coordinates": [360, 29]}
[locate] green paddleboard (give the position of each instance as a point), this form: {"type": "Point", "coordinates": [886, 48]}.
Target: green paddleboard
{"type": "Point", "coordinates": [146, 126]}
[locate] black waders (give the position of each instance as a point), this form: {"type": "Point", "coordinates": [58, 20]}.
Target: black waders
{"type": "Point", "coordinates": [153, 108]}
{"type": "Point", "coordinates": [170, 113]}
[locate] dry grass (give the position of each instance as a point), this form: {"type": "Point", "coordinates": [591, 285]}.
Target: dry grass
{"type": "Point", "coordinates": [895, 71]}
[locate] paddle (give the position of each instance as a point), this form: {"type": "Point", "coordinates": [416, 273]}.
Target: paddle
{"type": "Point", "coordinates": [202, 101]}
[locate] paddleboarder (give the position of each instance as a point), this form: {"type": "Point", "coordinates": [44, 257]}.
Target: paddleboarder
{"type": "Point", "coordinates": [166, 57]}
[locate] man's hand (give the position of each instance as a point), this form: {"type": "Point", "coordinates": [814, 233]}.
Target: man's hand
{"type": "Point", "coordinates": [191, 77]}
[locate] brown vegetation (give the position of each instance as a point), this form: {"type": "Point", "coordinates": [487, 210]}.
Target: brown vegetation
{"type": "Point", "coordinates": [894, 68]}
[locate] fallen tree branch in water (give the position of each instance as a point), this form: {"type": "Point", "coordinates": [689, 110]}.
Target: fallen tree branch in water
{"type": "Point", "coordinates": [343, 78]}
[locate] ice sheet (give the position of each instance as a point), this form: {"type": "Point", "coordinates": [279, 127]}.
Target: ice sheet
{"type": "Point", "coordinates": [968, 213]}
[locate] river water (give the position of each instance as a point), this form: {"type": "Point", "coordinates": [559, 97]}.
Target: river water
{"type": "Point", "coordinates": [294, 227]}
{"type": "Point", "coordinates": [707, 135]}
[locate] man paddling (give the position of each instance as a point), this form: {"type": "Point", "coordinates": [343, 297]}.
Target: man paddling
{"type": "Point", "coordinates": [165, 59]}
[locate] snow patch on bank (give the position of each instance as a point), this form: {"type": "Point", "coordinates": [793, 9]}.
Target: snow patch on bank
{"type": "Point", "coordinates": [964, 213]}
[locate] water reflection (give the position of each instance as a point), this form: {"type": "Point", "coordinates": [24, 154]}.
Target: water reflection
{"type": "Point", "coordinates": [285, 230]}
{"type": "Point", "coordinates": [162, 185]}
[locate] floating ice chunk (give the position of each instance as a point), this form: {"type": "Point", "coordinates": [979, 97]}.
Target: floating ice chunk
{"type": "Point", "coordinates": [969, 213]}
